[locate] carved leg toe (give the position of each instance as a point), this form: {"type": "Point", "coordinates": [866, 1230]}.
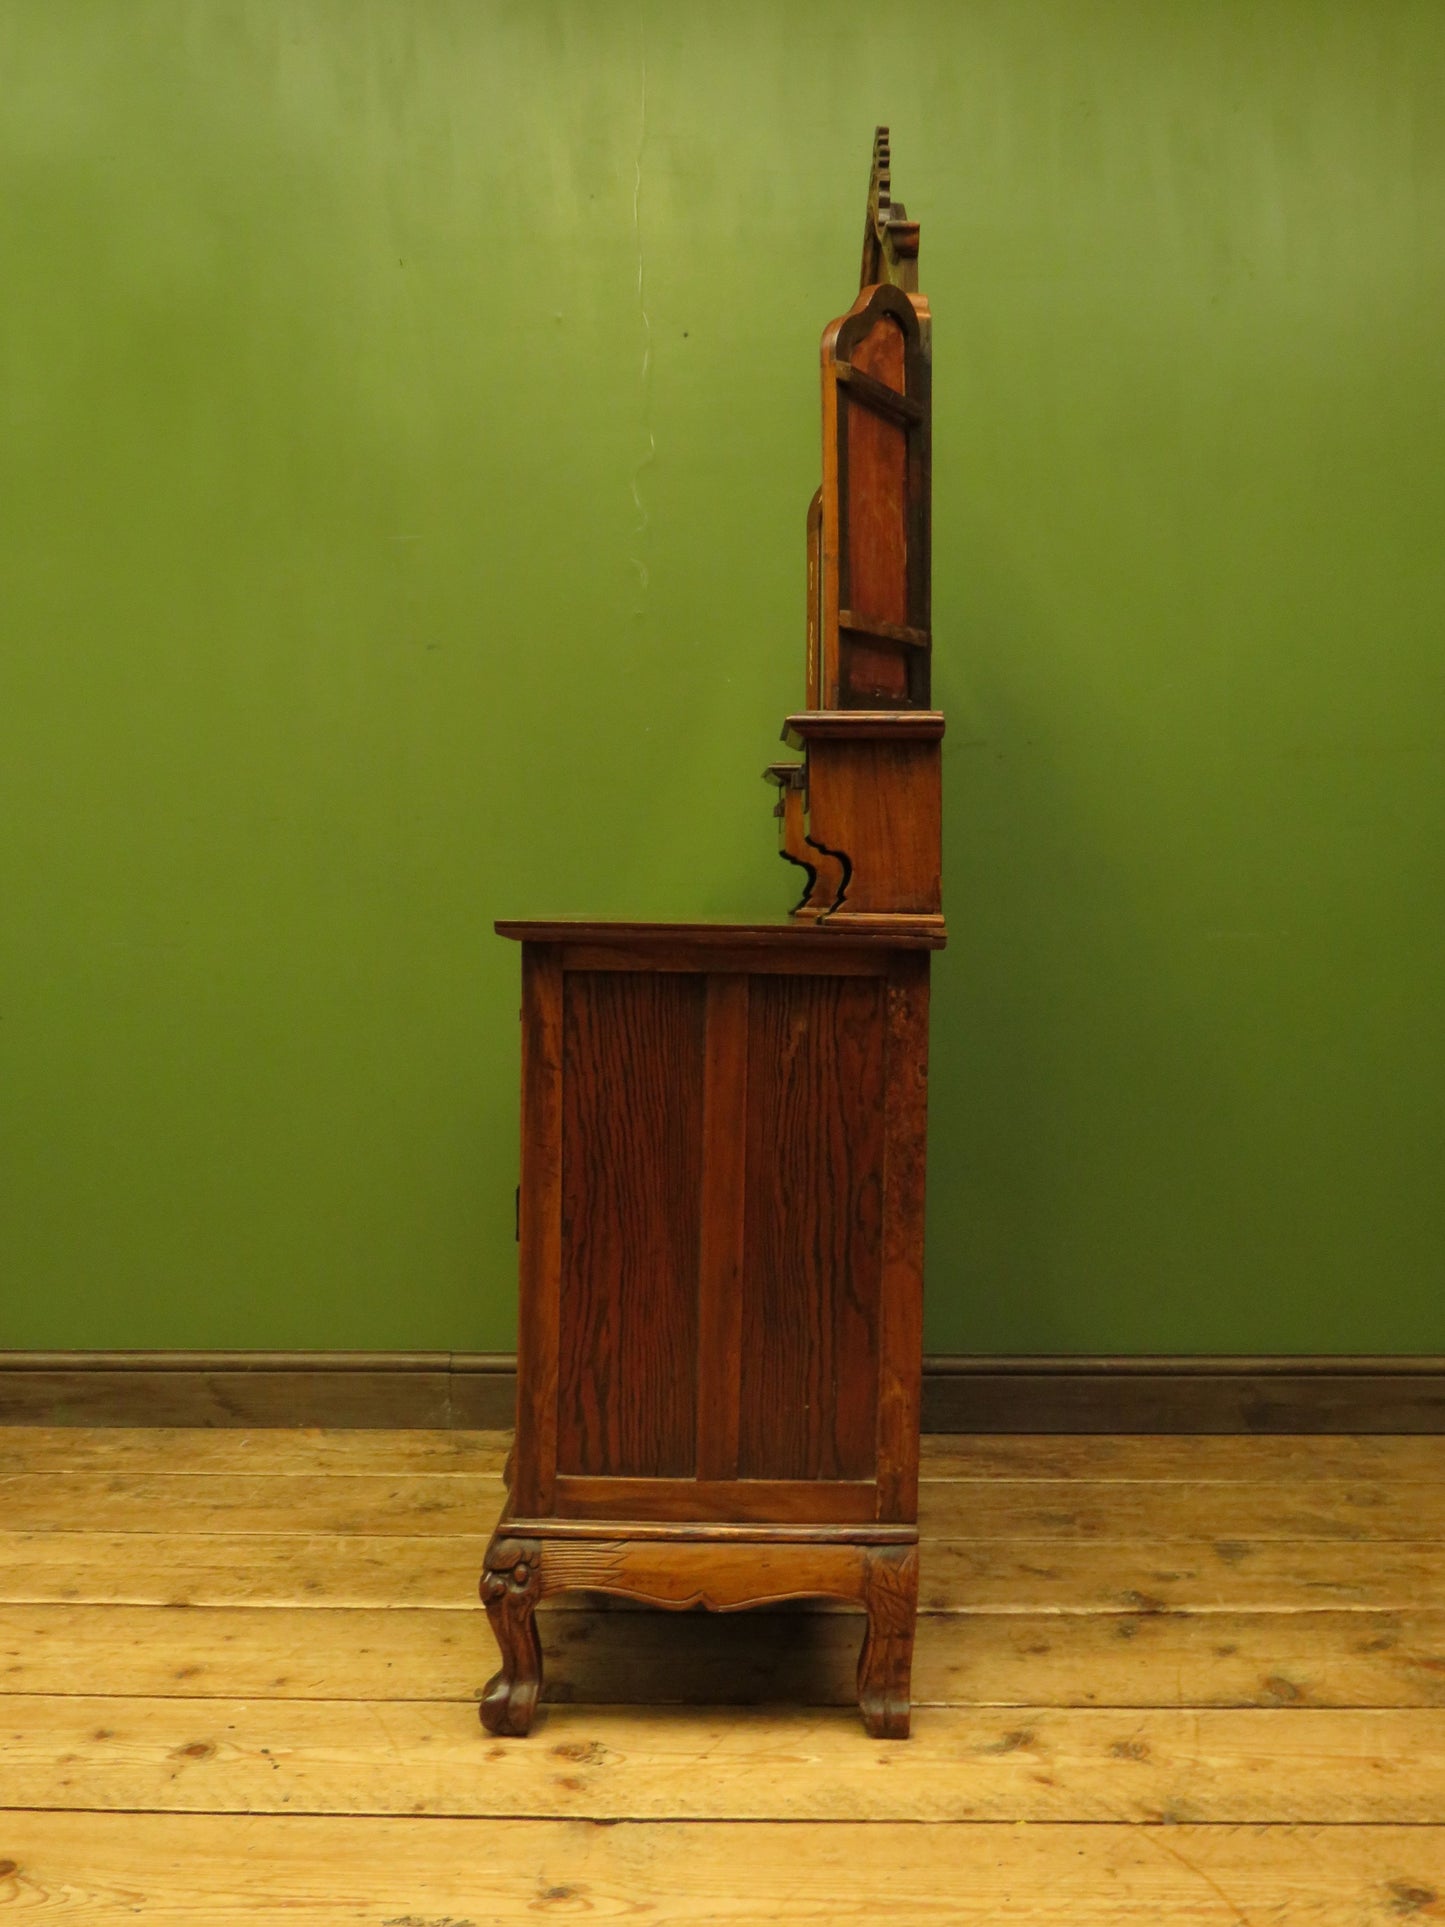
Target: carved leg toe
{"type": "Point", "coordinates": [511, 1586]}
{"type": "Point", "coordinates": [885, 1665]}
{"type": "Point", "coordinates": [883, 1687]}
{"type": "Point", "coordinates": [510, 1700]}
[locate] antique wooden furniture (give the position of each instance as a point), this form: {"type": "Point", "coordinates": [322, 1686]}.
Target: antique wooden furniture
{"type": "Point", "coordinates": [721, 1209]}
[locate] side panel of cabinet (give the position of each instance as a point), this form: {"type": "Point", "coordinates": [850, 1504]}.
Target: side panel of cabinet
{"type": "Point", "coordinates": [539, 1229]}
{"type": "Point", "coordinates": [632, 1145]}
{"type": "Point", "coordinates": [813, 1250]}
{"type": "Point", "coordinates": [721, 1236]}
{"type": "Point", "coordinates": [900, 1325]}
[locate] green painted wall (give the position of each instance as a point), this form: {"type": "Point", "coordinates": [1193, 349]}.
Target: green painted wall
{"type": "Point", "coordinates": [408, 416]}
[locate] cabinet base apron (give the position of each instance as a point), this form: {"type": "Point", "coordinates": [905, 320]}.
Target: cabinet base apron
{"type": "Point", "coordinates": [725, 1568]}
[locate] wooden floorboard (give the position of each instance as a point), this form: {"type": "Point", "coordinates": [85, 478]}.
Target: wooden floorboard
{"type": "Point", "coordinates": [440, 1505]}
{"type": "Point", "coordinates": [318, 1568]}
{"type": "Point", "coordinates": [174, 1870]}
{"type": "Point", "coordinates": [1220, 1766]}
{"type": "Point", "coordinates": [599, 1656]}
{"type": "Point", "coordinates": [1152, 1460]}
{"type": "Point", "coordinates": [1157, 1679]}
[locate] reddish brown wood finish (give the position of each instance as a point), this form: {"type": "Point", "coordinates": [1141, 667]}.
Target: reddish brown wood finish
{"type": "Point", "coordinates": [880, 804]}
{"type": "Point", "coordinates": [874, 792]}
{"type": "Point", "coordinates": [631, 1155]}
{"type": "Point", "coordinates": [714, 1266]}
{"type": "Point", "coordinates": [717, 1216]}
{"type": "Point", "coordinates": [814, 618]}
{"type": "Point", "coordinates": [810, 1290]}
{"type": "Point", "coordinates": [525, 1564]}
{"type": "Point", "coordinates": [539, 1226]}
{"type": "Point", "coordinates": [905, 1153]}
{"type": "Point", "coordinates": [890, 239]}
{"type": "Point", "coordinates": [720, 1255]}
{"type": "Point", "coordinates": [874, 563]}
{"type": "Point", "coordinates": [761, 1501]}
{"type": "Point", "coordinates": [712, 946]}
{"type": "Point", "coordinates": [724, 1125]}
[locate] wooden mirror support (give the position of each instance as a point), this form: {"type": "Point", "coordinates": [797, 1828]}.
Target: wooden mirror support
{"type": "Point", "coordinates": [723, 1129]}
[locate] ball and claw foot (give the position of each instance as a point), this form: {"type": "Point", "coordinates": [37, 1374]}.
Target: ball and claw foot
{"type": "Point", "coordinates": [510, 1588]}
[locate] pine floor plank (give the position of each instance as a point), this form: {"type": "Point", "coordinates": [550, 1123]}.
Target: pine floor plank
{"type": "Point", "coordinates": [1081, 1508]}
{"type": "Point", "coordinates": [1196, 1766]}
{"type": "Point", "coordinates": [1008, 1659]}
{"type": "Point", "coordinates": [236, 1871]}
{"type": "Point", "coordinates": [1164, 1680]}
{"type": "Point", "coordinates": [396, 1653]}
{"type": "Point", "coordinates": [201, 1451]}
{"type": "Point", "coordinates": [232, 1569]}
{"type": "Point", "coordinates": [1218, 1575]}
{"type": "Point", "coordinates": [1192, 1460]}
{"type": "Point", "coordinates": [401, 1653]}
{"type": "Point", "coordinates": [335, 1569]}
{"type": "Point", "coordinates": [436, 1505]}
{"type": "Point", "coordinates": [409, 1505]}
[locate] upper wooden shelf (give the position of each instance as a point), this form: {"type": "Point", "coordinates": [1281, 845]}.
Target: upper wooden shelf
{"type": "Point", "coordinates": [897, 934]}
{"type": "Point", "coordinates": [862, 725]}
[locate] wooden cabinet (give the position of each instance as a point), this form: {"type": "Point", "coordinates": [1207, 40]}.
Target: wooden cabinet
{"type": "Point", "coordinates": [723, 1146]}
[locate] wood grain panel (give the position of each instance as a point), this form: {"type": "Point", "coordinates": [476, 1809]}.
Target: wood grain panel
{"type": "Point", "coordinates": [830, 954]}
{"type": "Point", "coordinates": [539, 1224]}
{"type": "Point", "coordinates": [720, 1259]}
{"type": "Point", "coordinates": [814, 1229]}
{"type": "Point", "coordinates": [880, 803]}
{"type": "Point", "coordinates": [632, 1110]}
{"type": "Point", "coordinates": [873, 577]}
{"type": "Point", "coordinates": [900, 1341]}
{"type": "Point", "coordinates": [874, 547]}
{"type": "Point", "coordinates": [802, 1501]}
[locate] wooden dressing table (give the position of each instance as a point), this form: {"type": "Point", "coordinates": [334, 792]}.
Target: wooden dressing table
{"type": "Point", "coordinates": [723, 1129]}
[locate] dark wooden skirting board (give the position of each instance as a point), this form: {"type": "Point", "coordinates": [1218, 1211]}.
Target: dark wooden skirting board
{"type": "Point", "coordinates": [371, 1389]}
{"type": "Point", "coordinates": [1188, 1395]}
{"type": "Point", "coordinates": [478, 1389]}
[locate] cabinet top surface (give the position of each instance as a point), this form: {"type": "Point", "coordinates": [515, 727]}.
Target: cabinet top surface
{"type": "Point", "coordinates": [891, 933]}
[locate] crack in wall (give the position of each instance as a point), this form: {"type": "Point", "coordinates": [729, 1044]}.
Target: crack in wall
{"type": "Point", "coordinates": [644, 520]}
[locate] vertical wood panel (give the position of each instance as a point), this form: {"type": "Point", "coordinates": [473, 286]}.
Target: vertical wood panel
{"type": "Point", "coordinates": [881, 803]}
{"type": "Point", "coordinates": [631, 1174]}
{"type": "Point", "coordinates": [875, 550]}
{"type": "Point", "coordinates": [813, 1235]}
{"type": "Point", "coordinates": [814, 619]}
{"type": "Point", "coordinates": [539, 1227]}
{"type": "Point", "coordinates": [877, 545]}
{"type": "Point", "coordinates": [900, 1324]}
{"type": "Point", "coordinates": [720, 1260]}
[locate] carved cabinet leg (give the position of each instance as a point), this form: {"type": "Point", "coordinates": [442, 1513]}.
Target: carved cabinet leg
{"type": "Point", "coordinates": [511, 1586]}
{"type": "Point", "coordinates": [885, 1666]}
